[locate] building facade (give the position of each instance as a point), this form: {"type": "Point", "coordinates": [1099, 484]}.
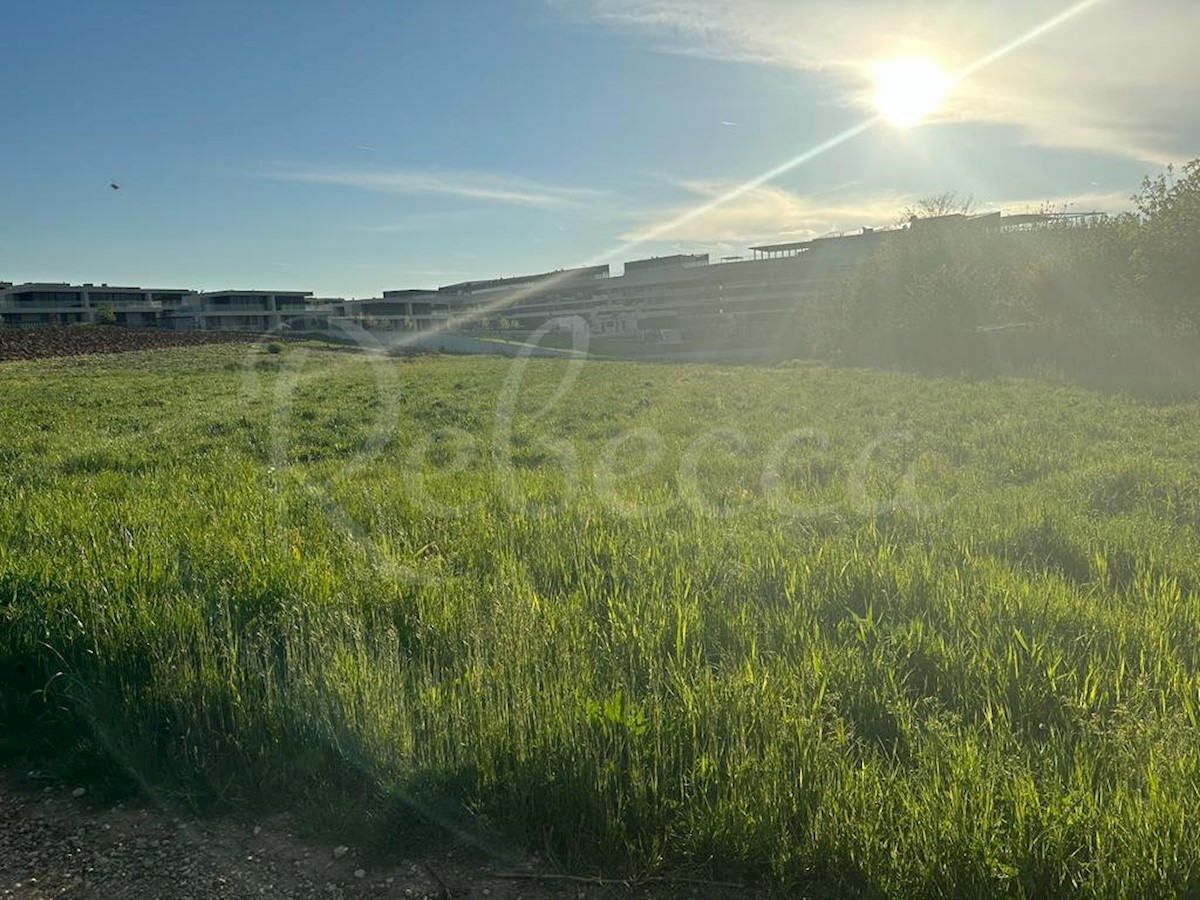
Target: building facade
{"type": "Point", "coordinates": [55, 303]}
{"type": "Point", "coordinates": [36, 305]}
{"type": "Point", "coordinates": [669, 299]}
{"type": "Point", "coordinates": [259, 311]}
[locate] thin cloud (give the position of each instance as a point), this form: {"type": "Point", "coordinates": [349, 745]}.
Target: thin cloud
{"type": "Point", "coordinates": [770, 213]}
{"type": "Point", "coordinates": [480, 186]}
{"type": "Point", "coordinates": [401, 227]}
{"type": "Point", "coordinates": [1110, 202]}
{"type": "Point", "coordinates": [415, 222]}
{"type": "Point", "coordinates": [763, 213]}
{"type": "Point", "coordinates": [1120, 78]}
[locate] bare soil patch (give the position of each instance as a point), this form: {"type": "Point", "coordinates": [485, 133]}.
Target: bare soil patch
{"type": "Point", "coordinates": [54, 842]}
{"type": "Point", "coordinates": [39, 343]}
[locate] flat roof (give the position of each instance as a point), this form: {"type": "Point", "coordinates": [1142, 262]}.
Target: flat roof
{"type": "Point", "coordinates": [465, 286]}
{"type": "Point", "coordinates": [255, 293]}
{"type": "Point", "coordinates": [61, 285]}
{"type": "Point", "coordinates": [866, 232]}
{"type": "Point", "coordinates": [149, 290]}
{"type": "Point", "coordinates": [654, 262]}
{"type": "Point", "coordinates": [775, 248]}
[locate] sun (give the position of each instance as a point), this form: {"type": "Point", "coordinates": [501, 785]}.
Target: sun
{"type": "Point", "coordinates": [907, 91]}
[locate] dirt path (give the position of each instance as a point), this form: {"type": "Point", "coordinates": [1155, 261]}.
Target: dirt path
{"type": "Point", "coordinates": [54, 843]}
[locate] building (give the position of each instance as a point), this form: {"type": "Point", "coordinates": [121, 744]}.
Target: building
{"type": "Point", "coordinates": [58, 303]}
{"type": "Point", "coordinates": [660, 299]}
{"type": "Point", "coordinates": [260, 311]}
{"type": "Point", "coordinates": [671, 299]}
{"type": "Point", "coordinates": [407, 310]}
{"type": "Point", "coordinates": [524, 301]}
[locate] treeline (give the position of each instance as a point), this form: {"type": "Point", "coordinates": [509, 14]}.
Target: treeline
{"type": "Point", "coordinates": [1113, 300]}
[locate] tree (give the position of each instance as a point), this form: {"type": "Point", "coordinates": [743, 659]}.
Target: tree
{"type": "Point", "coordinates": [105, 315]}
{"type": "Point", "coordinates": [944, 204]}
{"type": "Point", "coordinates": [1165, 260]}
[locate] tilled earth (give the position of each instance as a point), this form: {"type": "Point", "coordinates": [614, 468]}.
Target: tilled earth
{"type": "Point", "coordinates": [37, 343]}
{"type": "Point", "coordinates": [55, 843]}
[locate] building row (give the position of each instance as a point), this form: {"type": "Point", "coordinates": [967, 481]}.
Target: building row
{"type": "Point", "coordinates": [666, 299]}
{"type": "Point", "coordinates": [44, 304]}
{"type": "Point", "coordinates": [670, 299]}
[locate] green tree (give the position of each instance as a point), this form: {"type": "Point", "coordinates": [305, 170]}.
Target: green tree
{"type": "Point", "coordinates": [1166, 259]}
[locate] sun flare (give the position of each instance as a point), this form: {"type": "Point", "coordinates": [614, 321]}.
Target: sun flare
{"type": "Point", "coordinates": [907, 91]}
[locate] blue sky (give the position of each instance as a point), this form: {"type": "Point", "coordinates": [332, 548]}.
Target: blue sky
{"type": "Point", "coordinates": [352, 148]}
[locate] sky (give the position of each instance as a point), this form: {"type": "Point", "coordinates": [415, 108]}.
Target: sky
{"type": "Point", "coordinates": [358, 147]}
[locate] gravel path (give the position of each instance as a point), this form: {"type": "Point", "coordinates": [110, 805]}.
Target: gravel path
{"type": "Point", "coordinates": [54, 843]}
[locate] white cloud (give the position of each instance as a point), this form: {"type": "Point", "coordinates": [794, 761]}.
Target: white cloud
{"type": "Point", "coordinates": [765, 212]}
{"type": "Point", "coordinates": [1119, 77]}
{"type": "Point", "coordinates": [470, 185]}
{"type": "Point", "coordinates": [772, 213]}
{"type": "Point", "coordinates": [1111, 202]}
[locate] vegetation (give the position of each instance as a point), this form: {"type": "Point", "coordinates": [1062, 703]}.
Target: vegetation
{"type": "Point", "coordinates": [943, 204]}
{"type": "Point", "coordinates": [875, 634]}
{"type": "Point", "coordinates": [1166, 264]}
{"type": "Point", "coordinates": [1112, 302]}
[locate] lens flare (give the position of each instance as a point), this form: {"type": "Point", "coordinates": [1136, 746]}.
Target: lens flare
{"type": "Point", "coordinates": [907, 91]}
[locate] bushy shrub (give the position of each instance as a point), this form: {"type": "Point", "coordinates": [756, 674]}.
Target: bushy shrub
{"type": "Point", "coordinates": [1085, 298]}
{"type": "Point", "coordinates": [1166, 247]}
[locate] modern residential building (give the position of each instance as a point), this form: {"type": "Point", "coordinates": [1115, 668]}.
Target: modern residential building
{"type": "Point", "coordinates": [669, 299]}
{"type": "Point", "coordinates": [59, 303]}
{"type": "Point", "coordinates": [261, 311]}
{"type": "Point", "coordinates": [56, 303]}
{"type": "Point", "coordinates": [679, 298]}
{"type": "Point", "coordinates": [407, 310]}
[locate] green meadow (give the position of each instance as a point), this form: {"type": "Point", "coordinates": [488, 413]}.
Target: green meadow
{"type": "Point", "coordinates": [835, 631]}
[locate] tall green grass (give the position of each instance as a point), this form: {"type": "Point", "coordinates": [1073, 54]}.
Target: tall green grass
{"type": "Point", "coordinates": [964, 663]}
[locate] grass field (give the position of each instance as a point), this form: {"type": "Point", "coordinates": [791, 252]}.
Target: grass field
{"type": "Point", "coordinates": [843, 632]}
